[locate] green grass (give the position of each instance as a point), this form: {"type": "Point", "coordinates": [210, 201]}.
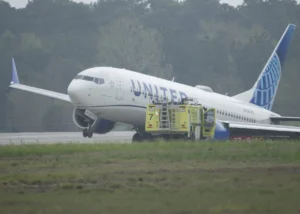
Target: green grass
{"type": "Point", "coordinates": [161, 177]}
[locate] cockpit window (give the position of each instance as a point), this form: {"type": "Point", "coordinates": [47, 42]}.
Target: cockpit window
{"type": "Point", "coordinates": [88, 78]}
{"type": "Point", "coordinates": [96, 80]}
{"type": "Point", "coordinates": [78, 77]}
{"type": "Point", "coordinates": [99, 81]}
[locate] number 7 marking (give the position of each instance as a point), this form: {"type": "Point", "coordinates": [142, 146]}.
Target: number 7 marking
{"type": "Point", "coordinates": [151, 115]}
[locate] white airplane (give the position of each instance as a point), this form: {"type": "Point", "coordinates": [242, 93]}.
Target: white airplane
{"type": "Point", "coordinates": [102, 96]}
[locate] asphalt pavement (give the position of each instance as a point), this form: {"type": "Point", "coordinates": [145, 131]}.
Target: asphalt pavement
{"type": "Point", "coordinates": [64, 137]}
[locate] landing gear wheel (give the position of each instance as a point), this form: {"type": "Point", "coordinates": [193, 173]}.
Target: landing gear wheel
{"type": "Point", "coordinates": [90, 134]}
{"type": "Point", "coordinates": [140, 137]}
{"type": "Point", "coordinates": [137, 138]}
{"type": "Point", "coordinates": [85, 133]}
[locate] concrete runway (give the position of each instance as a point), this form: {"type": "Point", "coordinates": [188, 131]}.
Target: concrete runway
{"type": "Point", "coordinates": [64, 137]}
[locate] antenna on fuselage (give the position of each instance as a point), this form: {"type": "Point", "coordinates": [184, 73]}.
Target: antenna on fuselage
{"type": "Point", "coordinates": [173, 79]}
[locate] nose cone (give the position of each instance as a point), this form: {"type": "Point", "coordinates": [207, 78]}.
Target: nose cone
{"type": "Point", "coordinates": [79, 92]}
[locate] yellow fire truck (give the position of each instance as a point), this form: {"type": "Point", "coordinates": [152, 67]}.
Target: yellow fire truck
{"type": "Point", "coordinates": [186, 119]}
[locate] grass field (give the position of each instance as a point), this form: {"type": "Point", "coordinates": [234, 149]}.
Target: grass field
{"type": "Point", "coordinates": [177, 177]}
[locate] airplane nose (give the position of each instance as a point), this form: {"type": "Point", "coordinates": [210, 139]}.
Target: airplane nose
{"type": "Point", "coordinates": [78, 92]}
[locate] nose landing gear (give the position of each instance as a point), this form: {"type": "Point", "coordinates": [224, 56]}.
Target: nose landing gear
{"type": "Point", "coordinates": [88, 132]}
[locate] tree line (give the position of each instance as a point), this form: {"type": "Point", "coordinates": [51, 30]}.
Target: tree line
{"type": "Point", "coordinates": [196, 41]}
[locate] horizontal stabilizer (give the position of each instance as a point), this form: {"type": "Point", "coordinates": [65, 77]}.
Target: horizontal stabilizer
{"type": "Point", "coordinates": [284, 119]}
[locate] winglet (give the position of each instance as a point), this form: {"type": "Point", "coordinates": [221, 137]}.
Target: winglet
{"type": "Point", "coordinates": [15, 78]}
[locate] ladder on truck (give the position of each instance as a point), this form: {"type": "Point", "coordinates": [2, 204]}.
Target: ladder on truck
{"type": "Point", "coordinates": [164, 117]}
{"type": "Point", "coordinates": [173, 118]}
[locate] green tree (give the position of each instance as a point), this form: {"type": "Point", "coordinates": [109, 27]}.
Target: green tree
{"type": "Point", "coordinates": [7, 47]}
{"type": "Point", "coordinates": [126, 43]}
{"type": "Point", "coordinates": [198, 42]}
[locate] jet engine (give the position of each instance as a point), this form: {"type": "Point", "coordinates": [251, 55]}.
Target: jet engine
{"type": "Point", "coordinates": [97, 125]}
{"type": "Point", "coordinates": [221, 132]}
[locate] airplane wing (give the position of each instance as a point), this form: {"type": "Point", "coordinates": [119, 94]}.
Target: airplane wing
{"type": "Point", "coordinates": [247, 129]}
{"type": "Point", "coordinates": [15, 84]}
{"type": "Point", "coordinates": [284, 119]}
{"type": "Point", "coordinates": [263, 127]}
{"type": "Point", "coordinates": [47, 93]}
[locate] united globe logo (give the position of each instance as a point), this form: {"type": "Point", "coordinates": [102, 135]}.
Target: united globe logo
{"type": "Point", "coordinates": [267, 86]}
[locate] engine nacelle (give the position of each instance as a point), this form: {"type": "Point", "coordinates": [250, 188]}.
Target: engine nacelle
{"type": "Point", "coordinates": [99, 126]}
{"type": "Point", "coordinates": [204, 88]}
{"type": "Point", "coordinates": [221, 132]}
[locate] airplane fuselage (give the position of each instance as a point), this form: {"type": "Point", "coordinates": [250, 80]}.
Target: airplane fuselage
{"type": "Point", "coordinates": [123, 95]}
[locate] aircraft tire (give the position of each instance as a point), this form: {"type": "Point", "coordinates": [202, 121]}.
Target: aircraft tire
{"type": "Point", "coordinates": [137, 138]}
{"type": "Point", "coordinates": [90, 134]}
{"type": "Point", "coordinates": [85, 133]}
